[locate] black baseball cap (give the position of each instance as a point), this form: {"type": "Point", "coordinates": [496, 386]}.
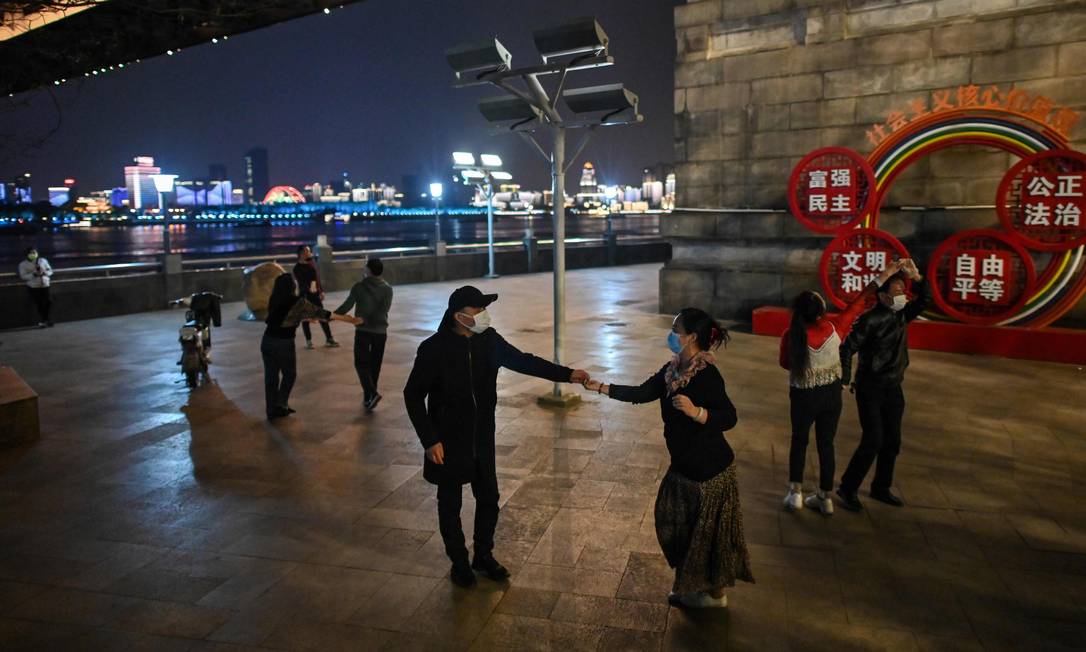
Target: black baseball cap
{"type": "Point", "coordinates": [470, 296]}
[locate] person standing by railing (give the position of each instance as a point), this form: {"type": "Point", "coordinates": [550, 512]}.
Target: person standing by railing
{"type": "Point", "coordinates": [309, 281]}
{"type": "Point", "coordinates": [36, 272]}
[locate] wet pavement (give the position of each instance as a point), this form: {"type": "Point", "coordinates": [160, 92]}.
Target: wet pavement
{"type": "Point", "coordinates": [149, 517]}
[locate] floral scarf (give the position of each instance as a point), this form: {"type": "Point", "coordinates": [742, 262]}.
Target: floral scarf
{"type": "Point", "coordinates": [676, 377]}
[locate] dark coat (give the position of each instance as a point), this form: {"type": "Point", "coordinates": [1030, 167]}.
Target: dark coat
{"type": "Point", "coordinates": [452, 393]}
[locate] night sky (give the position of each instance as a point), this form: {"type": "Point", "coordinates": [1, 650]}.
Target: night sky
{"type": "Point", "coordinates": [364, 90]}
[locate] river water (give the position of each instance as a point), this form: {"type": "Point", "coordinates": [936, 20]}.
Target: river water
{"type": "Point", "coordinates": [75, 247]}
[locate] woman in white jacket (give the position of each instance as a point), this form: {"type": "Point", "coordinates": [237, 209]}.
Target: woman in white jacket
{"type": "Point", "coordinates": [35, 272]}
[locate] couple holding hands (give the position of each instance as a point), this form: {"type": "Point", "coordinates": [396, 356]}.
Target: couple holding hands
{"type": "Point", "coordinates": [451, 397]}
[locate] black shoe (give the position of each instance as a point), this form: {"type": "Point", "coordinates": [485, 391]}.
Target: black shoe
{"type": "Point", "coordinates": [490, 567]}
{"type": "Point", "coordinates": [888, 497]}
{"type": "Point", "coordinates": [372, 402]}
{"type": "Point", "coordinates": [278, 413]}
{"type": "Point", "coordinates": [849, 500]}
{"type": "Point", "coordinates": [462, 575]}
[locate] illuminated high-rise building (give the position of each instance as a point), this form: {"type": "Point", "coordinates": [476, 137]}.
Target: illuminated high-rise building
{"type": "Point", "coordinates": [140, 185]}
{"type": "Point", "coordinates": [256, 175]}
{"type": "Point", "coordinates": [588, 178]}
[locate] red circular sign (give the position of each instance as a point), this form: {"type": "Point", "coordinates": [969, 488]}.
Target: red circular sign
{"type": "Point", "coordinates": [981, 276]}
{"type": "Point", "coordinates": [1042, 200]}
{"type": "Point", "coordinates": [830, 189]}
{"type": "Point", "coordinates": [854, 259]}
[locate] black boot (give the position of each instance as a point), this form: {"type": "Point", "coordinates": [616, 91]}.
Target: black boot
{"type": "Point", "coordinates": [849, 500]}
{"type": "Point", "coordinates": [488, 566]}
{"type": "Point", "coordinates": [462, 575]}
{"type": "Point", "coordinates": [887, 496]}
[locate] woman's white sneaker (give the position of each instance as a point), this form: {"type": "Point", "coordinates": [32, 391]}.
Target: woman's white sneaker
{"type": "Point", "coordinates": [823, 504]}
{"type": "Point", "coordinates": [794, 500]}
{"type": "Point", "coordinates": [702, 600]}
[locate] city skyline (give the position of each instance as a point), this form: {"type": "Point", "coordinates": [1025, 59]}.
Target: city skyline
{"type": "Point", "coordinates": [349, 96]}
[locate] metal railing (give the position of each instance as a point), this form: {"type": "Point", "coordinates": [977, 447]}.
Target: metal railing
{"type": "Point", "coordinates": [116, 270]}
{"type": "Point", "coordinates": [91, 272]}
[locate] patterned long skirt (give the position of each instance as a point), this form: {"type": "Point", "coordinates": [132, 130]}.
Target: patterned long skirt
{"type": "Point", "coordinates": [700, 529]}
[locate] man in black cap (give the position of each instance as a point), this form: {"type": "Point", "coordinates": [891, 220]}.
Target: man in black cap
{"type": "Point", "coordinates": [451, 396]}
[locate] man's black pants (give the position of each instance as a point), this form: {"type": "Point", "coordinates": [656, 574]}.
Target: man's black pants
{"type": "Point", "coordinates": [369, 353]}
{"type": "Point", "coordinates": [315, 299]}
{"type": "Point", "coordinates": [449, 500]}
{"type": "Point", "coordinates": [881, 409]}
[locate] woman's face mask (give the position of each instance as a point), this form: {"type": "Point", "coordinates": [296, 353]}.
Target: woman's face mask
{"type": "Point", "coordinates": [899, 302]}
{"type": "Point", "coordinates": [482, 321]}
{"type": "Point", "coordinates": [32, 256]}
{"type": "Point", "coordinates": [674, 343]}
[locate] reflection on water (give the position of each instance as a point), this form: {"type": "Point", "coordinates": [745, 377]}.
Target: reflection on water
{"type": "Point", "coordinates": [101, 245]}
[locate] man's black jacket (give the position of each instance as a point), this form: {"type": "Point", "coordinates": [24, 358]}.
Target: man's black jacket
{"type": "Point", "coordinates": [880, 336]}
{"type": "Point", "coordinates": [452, 393]}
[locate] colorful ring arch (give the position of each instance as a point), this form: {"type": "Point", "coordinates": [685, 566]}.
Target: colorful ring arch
{"type": "Point", "coordinates": [283, 195]}
{"type": "Point", "coordinates": [1057, 289]}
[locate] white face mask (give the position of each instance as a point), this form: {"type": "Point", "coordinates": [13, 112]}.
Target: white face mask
{"type": "Point", "coordinates": [482, 322]}
{"type": "Point", "coordinates": [899, 302]}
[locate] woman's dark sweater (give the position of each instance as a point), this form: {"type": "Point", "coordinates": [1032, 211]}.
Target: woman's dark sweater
{"type": "Point", "coordinates": [283, 319]}
{"type": "Point", "coordinates": [698, 451]}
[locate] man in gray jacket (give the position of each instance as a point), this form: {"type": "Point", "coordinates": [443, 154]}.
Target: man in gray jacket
{"type": "Point", "coordinates": [371, 299]}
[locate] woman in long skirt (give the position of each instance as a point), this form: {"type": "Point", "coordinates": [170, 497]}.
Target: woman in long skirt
{"type": "Point", "coordinates": [698, 519]}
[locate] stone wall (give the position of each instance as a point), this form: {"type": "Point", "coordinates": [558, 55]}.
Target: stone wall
{"type": "Point", "coordinates": [760, 83]}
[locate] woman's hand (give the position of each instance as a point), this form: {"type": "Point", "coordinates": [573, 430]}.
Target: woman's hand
{"type": "Point", "coordinates": [436, 453]}
{"type": "Point", "coordinates": [593, 385]}
{"type": "Point", "coordinates": [683, 404]}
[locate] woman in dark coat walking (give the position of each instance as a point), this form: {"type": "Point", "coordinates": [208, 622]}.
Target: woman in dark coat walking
{"type": "Point", "coordinates": [451, 397]}
{"type": "Point", "coordinates": [286, 309]}
{"type": "Point", "coordinates": [698, 519]}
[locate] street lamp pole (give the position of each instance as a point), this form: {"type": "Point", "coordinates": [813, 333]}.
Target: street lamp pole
{"type": "Point", "coordinates": [577, 45]}
{"type": "Point", "coordinates": [163, 184]}
{"type": "Point", "coordinates": [558, 197]}
{"type": "Point", "coordinates": [165, 223]}
{"type": "Point", "coordinates": [490, 226]}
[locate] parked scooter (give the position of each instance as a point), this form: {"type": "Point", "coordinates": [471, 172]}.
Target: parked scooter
{"type": "Point", "coordinates": [204, 310]}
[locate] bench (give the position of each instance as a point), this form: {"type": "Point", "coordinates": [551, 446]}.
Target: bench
{"type": "Point", "coordinates": [18, 410]}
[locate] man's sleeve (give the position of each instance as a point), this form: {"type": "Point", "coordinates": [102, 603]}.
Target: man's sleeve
{"type": "Point", "coordinates": [913, 309]}
{"type": "Point", "coordinates": [851, 345]}
{"type": "Point", "coordinates": [347, 304]}
{"type": "Point", "coordinates": [419, 383]}
{"type": "Point", "coordinates": [504, 354]}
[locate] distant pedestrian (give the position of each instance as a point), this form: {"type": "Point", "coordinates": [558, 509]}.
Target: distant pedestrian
{"type": "Point", "coordinates": [881, 338]}
{"type": "Point", "coordinates": [451, 397]}
{"type": "Point", "coordinates": [35, 271]}
{"type": "Point", "coordinates": [371, 299]}
{"type": "Point", "coordinates": [286, 309]}
{"type": "Point", "coordinates": [811, 352]}
{"type": "Point", "coordinates": [309, 281]}
{"type": "Point", "coordinates": [699, 523]}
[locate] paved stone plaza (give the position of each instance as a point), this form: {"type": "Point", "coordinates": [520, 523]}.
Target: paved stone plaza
{"type": "Point", "coordinates": [149, 517]}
